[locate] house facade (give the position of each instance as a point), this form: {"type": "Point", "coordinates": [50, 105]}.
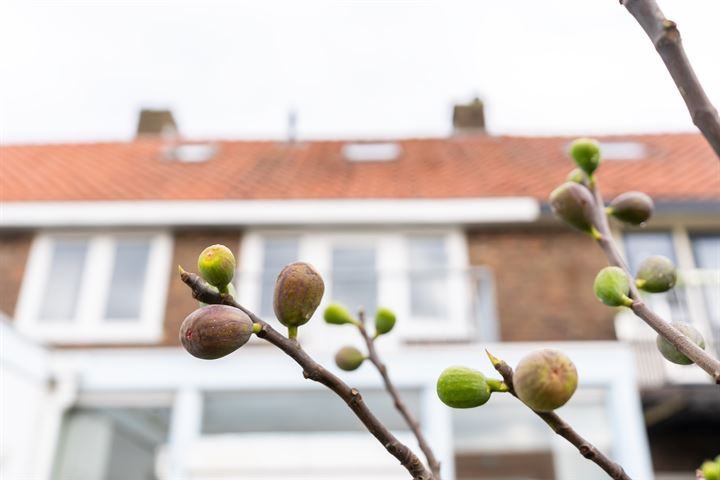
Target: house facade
{"type": "Point", "coordinates": [454, 234]}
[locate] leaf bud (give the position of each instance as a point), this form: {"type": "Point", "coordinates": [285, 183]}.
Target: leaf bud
{"type": "Point", "coordinates": [573, 203]}
{"type": "Point", "coordinates": [384, 321]}
{"type": "Point", "coordinates": [349, 358]}
{"type": "Point", "coordinates": [656, 274]}
{"type": "Point", "coordinates": [612, 287]}
{"type": "Point", "coordinates": [336, 314]}
{"type": "Point", "coordinates": [545, 380]}
{"type": "Point", "coordinates": [462, 387]}
{"type": "Point", "coordinates": [214, 331]}
{"type": "Point", "coordinates": [586, 153]}
{"type": "Point", "coordinates": [671, 353]}
{"type": "Point", "coordinates": [298, 291]}
{"type": "Point", "coordinates": [631, 207]}
{"type": "Point", "coordinates": [216, 265]}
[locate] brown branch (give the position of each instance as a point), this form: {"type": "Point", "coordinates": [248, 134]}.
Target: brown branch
{"type": "Point", "coordinates": [316, 372]}
{"type": "Point", "coordinates": [562, 428]}
{"type": "Point", "coordinates": [665, 37]}
{"type": "Point", "coordinates": [400, 406]}
{"type": "Point", "coordinates": [686, 346]}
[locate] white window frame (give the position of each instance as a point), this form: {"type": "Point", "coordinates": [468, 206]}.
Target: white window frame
{"type": "Point", "coordinates": [315, 247]}
{"type": "Point", "coordinates": [88, 324]}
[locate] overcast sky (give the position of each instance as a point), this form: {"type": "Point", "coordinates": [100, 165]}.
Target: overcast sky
{"type": "Point", "coordinates": [80, 70]}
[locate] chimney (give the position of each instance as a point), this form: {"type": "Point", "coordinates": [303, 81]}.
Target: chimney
{"type": "Point", "coordinates": [469, 119]}
{"type": "Point", "coordinates": [156, 123]}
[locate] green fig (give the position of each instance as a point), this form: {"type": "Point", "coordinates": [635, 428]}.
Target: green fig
{"type": "Point", "coordinates": [545, 380]}
{"type": "Point", "coordinates": [336, 314]}
{"type": "Point", "coordinates": [573, 203]}
{"type": "Point", "coordinates": [631, 207]}
{"type": "Point", "coordinates": [214, 331]}
{"type": "Point", "coordinates": [462, 387]}
{"type": "Point", "coordinates": [298, 291]}
{"type": "Point", "coordinates": [612, 287]}
{"type": "Point", "coordinates": [586, 153]}
{"type": "Point", "coordinates": [216, 265]}
{"type": "Point", "coordinates": [349, 358]}
{"type": "Point", "coordinates": [384, 321]}
{"type": "Point", "coordinates": [671, 353]}
{"type": "Point", "coordinates": [656, 274]}
{"type": "Point", "coordinates": [711, 470]}
{"type": "Point", "coordinates": [577, 175]}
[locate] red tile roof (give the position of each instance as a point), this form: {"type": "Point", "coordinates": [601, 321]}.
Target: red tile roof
{"type": "Point", "coordinates": [677, 167]}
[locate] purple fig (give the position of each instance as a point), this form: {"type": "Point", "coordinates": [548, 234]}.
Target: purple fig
{"type": "Point", "coordinates": [545, 380]}
{"type": "Point", "coordinates": [631, 207]}
{"type": "Point", "coordinates": [298, 291]}
{"type": "Point", "coordinates": [573, 203]}
{"type": "Point", "coordinates": [214, 331]}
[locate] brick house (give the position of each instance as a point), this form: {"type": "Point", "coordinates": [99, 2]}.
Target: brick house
{"type": "Point", "coordinates": [452, 233]}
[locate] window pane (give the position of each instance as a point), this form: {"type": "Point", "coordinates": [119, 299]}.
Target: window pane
{"type": "Point", "coordinates": [128, 280]}
{"type": "Point", "coordinates": [63, 282]}
{"type": "Point", "coordinates": [638, 246]}
{"type": "Point", "coordinates": [278, 252]}
{"type": "Point", "coordinates": [706, 249]}
{"type": "Point", "coordinates": [428, 276]}
{"type": "Point", "coordinates": [354, 280]}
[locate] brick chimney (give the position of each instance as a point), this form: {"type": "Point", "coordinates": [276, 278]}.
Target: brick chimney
{"type": "Point", "coordinates": [469, 119]}
{"type": "Point", "coordinates": [156, 123]}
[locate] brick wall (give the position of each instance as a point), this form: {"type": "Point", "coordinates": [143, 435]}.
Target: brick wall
{"type": "Point", "coordinates": [544, 283]}
{"type": "Point", "coordinates": [188, 245]}
{"type": "Point", "coordinates": [14, 250]}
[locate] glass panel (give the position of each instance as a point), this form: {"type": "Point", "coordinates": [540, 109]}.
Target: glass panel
{"type": "Point", "coordinates": [706, 249]}
{"type": "Point", "coordinates": [278, 411]}
{"type": "Point", "coordinates": [128, 280]}
{"type": "Point", "coordinates": [354, 279]}
{"type": "Point", "coordinates": [111, 443]}
{"type": "Point", "coordinates": [64, 280]}
{"type": "Point", "coordinates": [277, 253]}
{"type": "Point", "coordinates": [428, 276]}
{"type": "Point", "coordinates": [638, 246]}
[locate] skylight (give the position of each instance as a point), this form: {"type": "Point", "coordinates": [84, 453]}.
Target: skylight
{"type": "Point", "coordinates": [191, 152]}
{"type": "Point", "coordinates": [623, 150]}
{"type": "Point", "coordinates": [371, 152]}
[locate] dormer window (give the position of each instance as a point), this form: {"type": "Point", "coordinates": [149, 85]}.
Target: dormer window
{"type": "Point", "coordinates": [95, 287]}
{"type": "Point", "coordinates": [372, 152]}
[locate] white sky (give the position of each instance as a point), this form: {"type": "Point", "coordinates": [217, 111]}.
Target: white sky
{"type": "Point", "coordinates": [80, 70]}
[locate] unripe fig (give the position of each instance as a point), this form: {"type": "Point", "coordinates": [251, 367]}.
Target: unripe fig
{"type": "Point", "coordinates": [349, 358]}
{"type": "Point", "coordinates": [710, 469]}
{"type": "Point", "coordinates": [298, 291]}
{"type": "Point", "coordinates": [573, 203]}
{"type": "Point", "coordinates": [384, 321]}
{"type": "Point", "coordinates": [631, 207]}
{"type": "Point", "coordinates": [612, 287]}
{"type": "Point", "coordinates": [656, 274]}
{"type": "Point", "coordinates": [586, 153]}
{"type": "Point", "coordinates": [461, 387]}
{"type": "Point", "coordinates": [216, 265]}
{"type": "Point", "coordinates": [214, 331]}
{"type": "Point", "coordinates": [545, 380]}
{"type": "Point", "coordinates": [336, 314]}
{"type": "Point", "coordinates": [577, 175]}
{"type": "Point", "coordinates": [671, 353]}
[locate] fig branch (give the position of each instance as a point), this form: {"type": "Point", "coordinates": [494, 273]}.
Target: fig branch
{"type": "Point", "coordinates": [665, 37]}
{"type": "Point", "coordinates": [400, 405]}
{"type": "Point", "coordinates": [680, 341]}
{"type": "Point", "coordinates": [561, 427]}
{"type": "Point", "coordinates": [313, 371]}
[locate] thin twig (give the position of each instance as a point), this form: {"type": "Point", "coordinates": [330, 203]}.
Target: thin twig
{"type": "Point", "coordinates": [316, 372]}
{"type": "Point", "coordinates": [400, 405]}
{"type": "Point", "coordinates": [562, 428]}
{"type": "Point", "coordinates": [686, 346]}
{"type": "Point", "coordinates": [665, 37]}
